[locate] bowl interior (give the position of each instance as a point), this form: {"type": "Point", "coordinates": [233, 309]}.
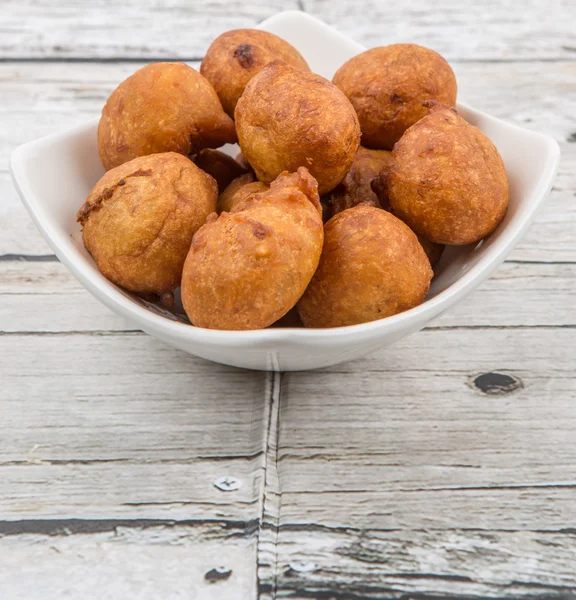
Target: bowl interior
{"type": "Point", "coordinates": [55, 174]}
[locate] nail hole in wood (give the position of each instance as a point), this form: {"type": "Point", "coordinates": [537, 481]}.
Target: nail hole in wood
{"type": "Point", "coordinates": [218, 574]}
{"type": "Point", "coordinates": [497, 384]}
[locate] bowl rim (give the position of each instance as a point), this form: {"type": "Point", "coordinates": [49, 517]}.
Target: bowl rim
{"type": "Point", "coordinates": [117, 300]}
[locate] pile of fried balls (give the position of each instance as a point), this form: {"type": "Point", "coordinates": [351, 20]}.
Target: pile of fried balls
{"type": "Point", "coordinates": [305, 217]}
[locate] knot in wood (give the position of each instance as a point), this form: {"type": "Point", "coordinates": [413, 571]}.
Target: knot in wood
{"type": "Point", "coordinates": [497, 384]}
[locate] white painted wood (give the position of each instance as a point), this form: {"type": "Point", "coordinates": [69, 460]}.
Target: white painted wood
{"type": "Point", "coordinates": [135, 29]}
{"type": "Point", "coordinates": [123, 399]}
{"type": "Point", "coordinates": [111, 448]}
{"type": "Point", "coordinates": [398, 476]}
{"type": "Point", "coordinates": [169, 562]}
{"type": "Point", "coordinates": [104, 490]}
{"type": "Point", "coordinates": [487, 30]}
{"type": "Point", "coordinates": [490, 29]}
{"type": "Point", "coordinates": [420, 447]}
{"type": "Point", "coordinates": [456, 563]}
{"type": "Point", "coordinates": [44, 297]}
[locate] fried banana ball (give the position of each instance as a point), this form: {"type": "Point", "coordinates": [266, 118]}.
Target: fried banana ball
{"type": "Point", "coordinates": [246, 269]}
{"type": "Point", "coordinates": [222, 167]}
{"type": "Point", "coordinates": [387, 86]}
{"type": "Point", "coordinates": [236, 56]}
{"type": "Point", "coordinates": [355, 187]}
{"type": "Point", "coordinates": [289, 118]}
{"type": "Point", "coordinates": [241, 188]}
{"type": "Point", "coordinates": [446, 180]}
{"type": "Point", "coordinates": [163, 107]}
{"type": "Point", "coordinates": [372, 266]}
{"type": "Point", "coordinates": [380, 188]}
{"type": "Point", "coordinates": [138, 221]}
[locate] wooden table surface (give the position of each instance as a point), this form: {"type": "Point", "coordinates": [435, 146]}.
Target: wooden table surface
{"type": "Point", "coordinates": [129, 470]}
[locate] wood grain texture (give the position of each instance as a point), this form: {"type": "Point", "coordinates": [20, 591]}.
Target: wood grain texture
{"type": "Point", "coordinates": [43, 297]}
{"type": "Point", "coordinates": [126, 398]}
{"type": "Point", "coordinates": [111, 469]}
{"type": "Point", "coordinates": [353, 565]}
{"type": "Point", "coordinates": [423, 484]}
{"type": "Point", "coordinates": [133, 29]}
{"type": "Point", "coordinates": [161, 561]}
{"type": "Point", "coordinates": [488, 30]}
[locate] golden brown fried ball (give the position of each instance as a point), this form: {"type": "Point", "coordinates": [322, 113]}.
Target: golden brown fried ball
{"type": "Point", "coordinates": [379, 186]}
{"type": "Point", "coordinates": [162, 107]}
{"type": "Point", "coordinates": [139, 220]}
{"type": "Point", "coordinates": [247, 268]}
{"type": "Point", "coordinates": [289, 118]}
{"type": "Point", "coordinates": [355, 187]}
{"type": "Point", "coordinates": [226, 199]}
{"type": "Point", "coordinates": [236, 56]}
{"type": "Point", "coordinates": [240, 189]}
{"type": "Point", "coordinates": [222, 167]}
{"type": "Point", "coordinates": [387, 86]}
{"type": "Point", "coordinates": [446, 180]}
{"type": "Point", "coordinates": [372, 266]}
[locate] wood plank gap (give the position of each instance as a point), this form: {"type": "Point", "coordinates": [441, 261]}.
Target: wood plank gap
{"type": "Point", "coordinates": [267, 545]}
{"type": "Point", "coordinates": [29, 258]}
{"type": "Point", "coordinates": [540, 262]}
{"type": "Point", "coordinates": [54, 258]}
{"type": "Point", "coordinates": [132, 461]}
{"type": "Point", "coordinates": [319, 527]}
{"type": "Point", "coordinates": [99, 60]}
{"type": "Point", "coordinates": [54, 527]}
{"type": "Point", "coordinates": [150, 59]}
{"type": "Point", "coordinates": [111, 332]}
{"type": "Point", "coordinates": [521, 327]}
{"type": "Point", "coordinates": [138, 332]}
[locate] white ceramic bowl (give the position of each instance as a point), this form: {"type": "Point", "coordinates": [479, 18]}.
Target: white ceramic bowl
{"type": "Point", "coordinates": [53, 176]}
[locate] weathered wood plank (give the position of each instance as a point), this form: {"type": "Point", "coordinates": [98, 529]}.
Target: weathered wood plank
{"type": "Point", "coordinates": [82, 398]}
{"type": "Point", "coordinates": [39, 29]}
{"type": "Point", "coordinates": [112, 461]}
{"type": "Point", "coordinates": [102, 490]}
{"type": "Point", "coordinates": [204, 562]}
{"type": "Point", "coordinates": [398, 564]}
{"type": "Point", "coordinates": [493, 30]}
{"type": "Point", "coordinates": [129, 428]}
{"type": "Point", "coordinates": [44, 297]}
{"type": "Point", "coordinates": [41, 99]}
{"type": "Point", "coordinates": [460, 30]}
{"type": "Point", "coordinates": [399, 477]}
{"type": "Point", "coordinates": [406, 434]}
